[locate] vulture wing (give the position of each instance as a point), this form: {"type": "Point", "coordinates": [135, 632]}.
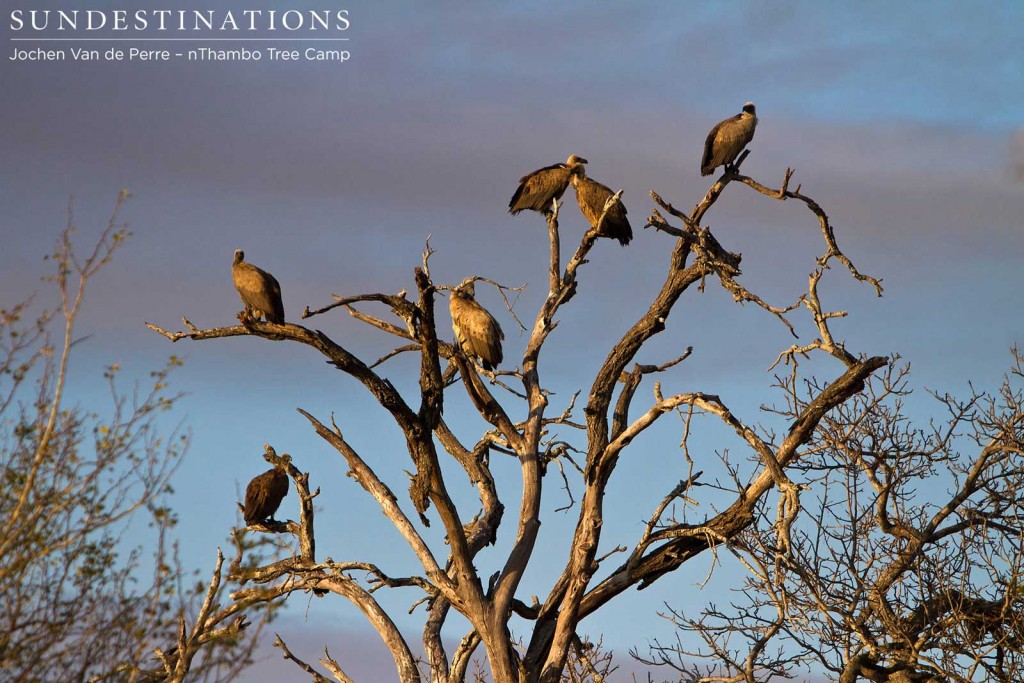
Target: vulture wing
{"type": "Point", "coordinates": [264, 494]}
{"type": "Point", "coordinates": [275, 306]}
{"type": "Point", "coordinates": [259, 291]}
{"type": "Point", "coordinates": [592, 196]}
{"type": "Point", "coordinates": [537, 189]}
{"type": "Point", "coordinates": [714, 153]}
{"type": "Point", "coordinates": [726, 141]}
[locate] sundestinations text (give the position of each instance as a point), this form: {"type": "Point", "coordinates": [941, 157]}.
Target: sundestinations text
{"type": "Point", "coordinates": [179, 20]}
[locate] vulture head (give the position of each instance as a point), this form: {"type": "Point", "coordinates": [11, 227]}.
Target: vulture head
{"type": "Point", "coordinates": [748, 108]}
{"type": "Point", "coordinates": [575, 165]}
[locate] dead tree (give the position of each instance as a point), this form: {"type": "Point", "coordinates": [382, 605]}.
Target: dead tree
{"type": "Point", "coordinates": [515, 405]}
{"type": "Point", "coordinates": [908, 567]}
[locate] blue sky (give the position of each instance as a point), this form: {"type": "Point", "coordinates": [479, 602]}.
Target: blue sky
{"type": "Point", "coordinates": [898, 117]}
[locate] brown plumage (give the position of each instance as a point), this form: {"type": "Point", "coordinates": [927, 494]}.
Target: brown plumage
{"type": "Point", "coordinates": [727, 139]}
{"type": "Point", "coordinates": [264, 494]}
{"type": "Point", "coordinates": [537, 190]}
{"type": "Point", "coordinates": [258, 289]}
{"type": "Point", "coordinates": [476, 330]}
{"type": "Point", "coordinates": [592, 197]}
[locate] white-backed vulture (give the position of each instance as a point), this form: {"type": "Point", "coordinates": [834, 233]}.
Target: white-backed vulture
{"type": "Point", "coordinates": [592, 197]}
{"type": "Point", "coordinates": [476, 330]}
{"type": "Point", "coordinates": [264, 494]}
{"type": "Point", "coordinates": [727, 139]}
{"type": "Point", "coordinates": [258, 290]}
{"type": "Point", "coordinates": [537, 190]}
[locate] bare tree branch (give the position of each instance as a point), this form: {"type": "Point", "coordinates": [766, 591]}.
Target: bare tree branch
{"type": "Point", "coordinates": [517, 425]}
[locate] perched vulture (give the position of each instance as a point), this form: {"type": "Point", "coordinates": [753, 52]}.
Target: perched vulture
{"type": "Point", "coordinates": [727, 139]}
{"type": "Point", "coordinates": [476, 330]}
{"type": "Point", "coordinates": [264, 494]}
{"type": "Point", "coordinates": [537, 190]}
{"type": "Point", "coordinates": [592, 196]}
{"type": "Point", "coordinates": [258, 289]}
